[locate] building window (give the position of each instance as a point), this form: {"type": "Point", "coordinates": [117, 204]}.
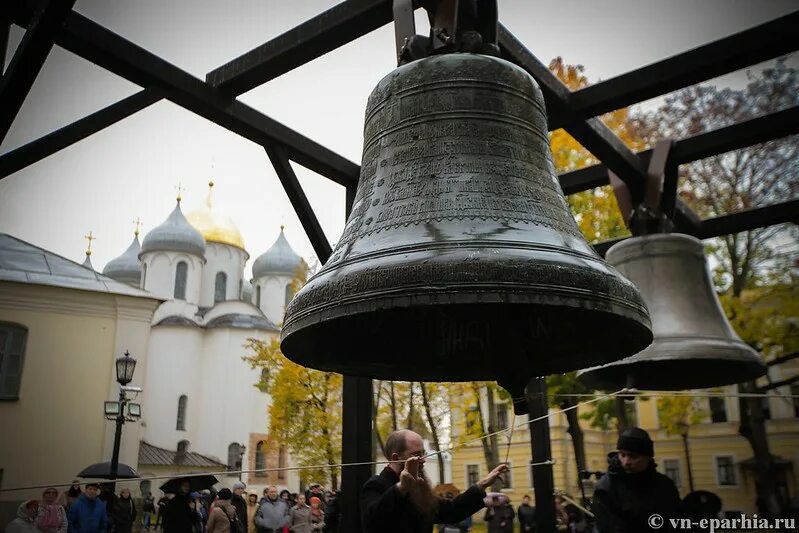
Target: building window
{"type": "Point", "coordinates": [502, 416]}
{"type": "Point", "coordinates": [258, 296]}
{"type": "Point", "coordinates": [143, 274]}
{"type": "Point", "coordinates": [145, 487]}
{"type": "Point", "coordinates": [472, 474]}
{"type": "Point", "coordinates": [282, 462]}
{"type": "Point", "coordinates": [181, 419]}
{"type": "Point", "coordinates": [183, 447]}
{"type": "Point", "coordinates": [795, 394]}
{"type": "Point", "coordinates": [220, 287]}
{"type": "Point", "coordinates": [233, 452]}
{"type": "Point", "coordinates": [289, 293]}
{"type": "Point", "coordinates": [260, 458]}
{"type": "Point", "coordinates": [181, 273]}
{"type": "Point", "coordinates": [671, 467]}
{"type": "Point", "coordinates": [241, 289]}
{"type": "Point", "coordinates": [725, 470]}
{"type": "Point", "coordinates": [12, 355]}
{"type": "Point", "coordinates": [718, 410]}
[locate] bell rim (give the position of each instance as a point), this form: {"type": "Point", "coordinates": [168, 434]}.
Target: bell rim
{"type": "Point", "coordinates": [694, 362]}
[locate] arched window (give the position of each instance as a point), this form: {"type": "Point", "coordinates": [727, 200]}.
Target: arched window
{"type": "Point", "coordinates": [241, 289]}
{"type": "Point", "coordinates": [183, 449]}
{"type": "Point", "coordinates": [233, 452]}
{"type": "Point", "coordinates": [12, 354]}
{"type": "Point", "coordinates": [258, 296]}
{"type": "Point", "coordinates": [260, 458]}
{"type": "Point", "coordinates": [181, 421]}
{"type": "Point", "coordinates": [220, 287]}
{"type": "Point", "coordinates": [289, 293]}
{"type": "Point", "coordinates": [181, 273]}
{"type": "Point", "coordinates": [143, 274]}
{"type": "Point", "coordinates": [282, 460]}
{"type": "Point", "coordinates": [145, 487]}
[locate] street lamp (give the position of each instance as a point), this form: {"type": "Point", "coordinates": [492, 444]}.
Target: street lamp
{"type": "Point", "coordinates": [242, 449]}
{"type": "Point", "coordinates": [125, 366]}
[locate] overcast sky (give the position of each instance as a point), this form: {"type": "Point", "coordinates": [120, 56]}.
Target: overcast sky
{"type": "Point", "coordinates": [130, 169]}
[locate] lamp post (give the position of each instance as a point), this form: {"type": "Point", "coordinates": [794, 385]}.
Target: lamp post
{"type": "Point", "coordinates": [125, 366]}
{"type": "Point", "coordinates": [242, 449]}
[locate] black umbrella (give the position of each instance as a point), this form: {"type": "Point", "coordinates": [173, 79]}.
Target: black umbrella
{"type": "Point", "coordinates": [196, 483]}
{"type": "Point", "coordinates": [103, 471]}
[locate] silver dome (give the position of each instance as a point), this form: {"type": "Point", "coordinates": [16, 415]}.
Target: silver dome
{"type": "Point", "coordinates": [279, 259]}
{"type": "Point", "coordinates": [175, 234]}
{"type": "Point", "coordinates": [126, 268]}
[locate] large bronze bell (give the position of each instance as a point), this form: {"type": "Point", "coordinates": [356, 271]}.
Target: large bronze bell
{"type": "Point", "coordinates": [695, 346]}
{"type": "Point", "coordinates": [460, 259]}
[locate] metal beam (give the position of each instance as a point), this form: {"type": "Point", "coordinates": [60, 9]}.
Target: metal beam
{"type": "Point", "coordinates": [747, 133]}
{"type": "Point", "coordinates": [759, 217]}
{"type": "Point", "coordinates": [749, 47]}
{"type": "Point", "coordinates": [592, 133]}
{"type": "Point", "coordinates": [5, 30]}
{"type": "Point", "coordinates": [51, 143]}
{"type": "Point", "coordinates": [29, 59]}
{"type": "Point", "coordinates": [108, 50]}
{"type": "Point", "coordinates": [323, 33]}
{"type": "Point", "coordinates": [761, 129]}
{"type": "Point", "coordinates": [750, 219]}
{"type": "Point", "coordinates": [321, 246]}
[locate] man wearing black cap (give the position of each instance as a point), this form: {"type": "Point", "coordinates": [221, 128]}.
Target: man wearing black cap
{"type": "Point", "coordinates": [629, 496]}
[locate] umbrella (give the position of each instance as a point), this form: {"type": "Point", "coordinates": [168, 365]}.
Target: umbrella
{"type": "Point", "coordinates": [103, 471]}
{"type": "Point", "coordinates": [196, 483]}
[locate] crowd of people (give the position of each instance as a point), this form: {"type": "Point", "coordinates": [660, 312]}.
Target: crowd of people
{"type": "Point", "coordinates": [96, 509]}
{"type": "Point", "coordinates": [400, 499]}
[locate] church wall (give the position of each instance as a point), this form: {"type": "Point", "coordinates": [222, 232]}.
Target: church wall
{"type": "Point", "coordinates": [175, 369]}
{"type": "Point", "coordinates": [57, 427]}
{"type": "Point", "coordinates": [231, 407]}
{"type": "Point", "coordinates": [273, 296]}
{"type": "Point", "coordinates": [222, 258]}
{"type": "Point", "coordinates": [160, 276]}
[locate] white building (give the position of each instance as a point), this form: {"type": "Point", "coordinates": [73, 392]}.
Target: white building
{"type": "Point", "coordinates": [62, 325]}
{"type": "Point", "coordinates": [200, 405]}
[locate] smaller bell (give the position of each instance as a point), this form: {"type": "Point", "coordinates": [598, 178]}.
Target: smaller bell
{"type": "Point", "coordinates": [694, 346]}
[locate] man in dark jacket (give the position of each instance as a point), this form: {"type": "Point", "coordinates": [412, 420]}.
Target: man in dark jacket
{"type": "Point", "coordinates": [627, 497]}
{"type": "Point", "coordinates": [400, 498]}
{"type": "Point", "coordinates": [179, 517]}
{"type": "Point", "coordinates": [87, 514]}
{"type": "Point", "coordinates": [526, 514]}
{"type": "Point", "coordinates": [241, 506]}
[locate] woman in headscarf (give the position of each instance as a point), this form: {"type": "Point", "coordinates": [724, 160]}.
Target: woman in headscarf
{"type": "Point", "coordinates": [123, 512]}
{"type": "Point", "coordinates": [252, 508]}
{"type": "Point", "coordinates": [26, 514]}
{"type": "Point", "coordinates": [51, 517]}
{"type": "Point", "coordinates": [317, 515]}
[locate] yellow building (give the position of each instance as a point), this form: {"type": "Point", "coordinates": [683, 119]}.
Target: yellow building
{"type": "Point", "coordinates": [721, 460]}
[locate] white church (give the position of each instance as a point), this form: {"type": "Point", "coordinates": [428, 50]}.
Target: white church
{"type": "Point", "coordinates": [194, 312]}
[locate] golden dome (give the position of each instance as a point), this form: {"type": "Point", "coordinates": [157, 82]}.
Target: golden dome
{"type": "Point", "coordinates": [213, 226]}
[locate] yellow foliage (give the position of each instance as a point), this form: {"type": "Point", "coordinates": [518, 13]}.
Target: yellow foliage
{"type": "Point", "coordinates": [305, 414]}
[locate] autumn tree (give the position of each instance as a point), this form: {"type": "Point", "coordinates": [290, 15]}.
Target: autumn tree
{"type": "Point", "coordinates": [742, 179]}
{"type": "Point", "coordinates": [305, 413]}
{"type": "Point", "coordinates": [676, 415]}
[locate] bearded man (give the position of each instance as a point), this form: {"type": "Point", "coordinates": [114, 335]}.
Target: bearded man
{"type": "Point", "coordinates": [401, 500]}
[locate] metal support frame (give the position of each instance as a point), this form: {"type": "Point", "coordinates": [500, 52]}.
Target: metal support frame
{"type": "Point", "coordinates": [282, 166]}
{"type": "Point", "coordinates": [357, 438]}
{"type": "Point", "coordinates": [541, 447]}
{"type": "Point", "coordinates": [29, 59]}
